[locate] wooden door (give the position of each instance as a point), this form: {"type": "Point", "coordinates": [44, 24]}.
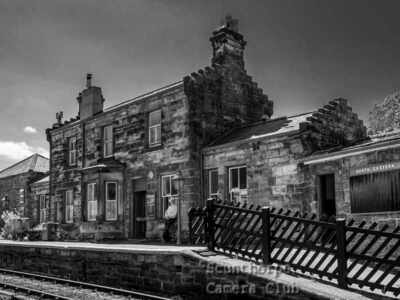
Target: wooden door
{"type": "Point", "coordinates": [139, 214]}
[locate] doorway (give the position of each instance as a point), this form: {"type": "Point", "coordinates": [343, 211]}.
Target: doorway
{"type": "Point", "coordinates": [138, 225]}
{"type": "Point", "coordinates": [327, 197]}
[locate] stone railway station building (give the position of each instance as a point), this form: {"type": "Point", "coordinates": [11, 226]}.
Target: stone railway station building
{"type": "Point", "coordinates": [114, 170]}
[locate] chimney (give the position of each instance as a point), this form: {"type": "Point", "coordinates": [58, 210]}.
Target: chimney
{"type": "Point", "coordinates": [88, 80]}
{"type": "Point", "coordinates": [90, 100]}
{"type": "Point", "coordinates": [227, 43]}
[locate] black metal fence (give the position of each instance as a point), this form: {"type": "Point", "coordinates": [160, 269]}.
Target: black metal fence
{"type": "Point", "coordinates": [346, 254]}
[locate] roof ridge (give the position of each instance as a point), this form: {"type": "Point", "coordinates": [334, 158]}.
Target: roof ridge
{"type": "Point", "coordinates": [144, 95]}
{"type": "Point", "coordinates": [42, 156]}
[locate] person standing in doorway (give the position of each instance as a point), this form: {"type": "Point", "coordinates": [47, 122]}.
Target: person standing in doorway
{"type": "Point", "coordinates": [170, 219]}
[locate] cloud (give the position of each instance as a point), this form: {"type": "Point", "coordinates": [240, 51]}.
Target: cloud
{"type": "Point", "coordinates": [19, 150]}
{"type": "Point", "coordinates": [30, 129]}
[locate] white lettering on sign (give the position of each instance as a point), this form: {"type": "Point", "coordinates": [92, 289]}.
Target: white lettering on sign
{"type": "Point", "coordinates": [376, 168]}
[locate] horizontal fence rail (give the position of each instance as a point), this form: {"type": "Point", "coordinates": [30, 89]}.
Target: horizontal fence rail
{"type": "Point", "coordinates": [346, 254]}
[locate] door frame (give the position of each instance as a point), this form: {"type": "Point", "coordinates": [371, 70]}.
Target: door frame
{"type": "Point", "coordinates": [320, 196]}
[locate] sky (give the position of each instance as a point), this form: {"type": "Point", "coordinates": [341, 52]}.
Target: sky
{"type": "Point", "coordinates": [303, 53]}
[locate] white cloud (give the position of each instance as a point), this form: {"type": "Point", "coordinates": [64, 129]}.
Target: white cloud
{"type": "Point", "coordinates": [30, 129]}
{"type": "Point", "coordinates": [19, 150]}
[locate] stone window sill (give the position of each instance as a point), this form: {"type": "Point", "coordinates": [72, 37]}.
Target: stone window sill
{"type": "Point", "coordinates": [153, 148]}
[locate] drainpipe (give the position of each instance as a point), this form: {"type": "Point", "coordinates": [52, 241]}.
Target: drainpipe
{"type": "Point", "coordinates": [179, 215]}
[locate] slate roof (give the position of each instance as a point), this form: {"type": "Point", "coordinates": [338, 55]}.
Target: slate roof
{"type": "Point", "coordinates": [35, 163]}
{"type": "Point", "coordinates": [263, 129]}
{"type": "Point", "coordinates": [43, 180]}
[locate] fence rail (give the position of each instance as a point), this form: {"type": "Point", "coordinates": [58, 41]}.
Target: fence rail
{"type": "Point", "coordinates": [346, 254]}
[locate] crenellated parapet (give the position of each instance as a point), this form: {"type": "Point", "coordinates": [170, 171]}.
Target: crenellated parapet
{"type": "Point", "coordinates": [335, 124]}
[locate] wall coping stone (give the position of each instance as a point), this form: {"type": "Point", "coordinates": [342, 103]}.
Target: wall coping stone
{"type": "Point", "coordinates": [124, 248]}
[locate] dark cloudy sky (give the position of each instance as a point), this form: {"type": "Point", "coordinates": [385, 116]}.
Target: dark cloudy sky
{"type": "Point", "coordinates": [303, 53]}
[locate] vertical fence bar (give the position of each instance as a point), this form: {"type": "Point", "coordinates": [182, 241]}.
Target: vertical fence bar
{"type": "Point", "coordinates": [266, 235]}
{"type": "Point", "coordinates": [341, 252]}
{"type": "Point", "coordinates": [210, 224]}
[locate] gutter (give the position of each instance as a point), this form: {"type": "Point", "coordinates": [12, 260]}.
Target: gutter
{"type": "Point", "coordinates": [252, 140]}
{"type": "Point", "coordinates": [392, 144]}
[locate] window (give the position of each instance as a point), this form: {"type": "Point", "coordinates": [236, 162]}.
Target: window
{"type": "Point", "coordinates": [238, 184]}
{"type": "Point", "coordinates": [108, 141]}
{"type": "Point", "coordinates": [169, 189]}
{"type": "Point", "coordinates": [58, 211]}
{"type": "Point", "coordinates": [69, 206]}
{"type": "Point", "coordinates": [21, 195]}
{"type": "Point", "coordinates": [91, 199]}
{"type": "Point", "coordinates": [111, 201]}
{"type": "Point", "coordinates": [377, 192]}
{"type": "Point", "coordinates": [72, 151]}
{"type": "Point", "coordinates": [212, 182]}
{"type": "Point", "coordinates": [155, 128]}
{"type": "Point", "coordinates": [43, 208]}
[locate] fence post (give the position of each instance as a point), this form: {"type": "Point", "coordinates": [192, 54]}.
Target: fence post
{"type": "Point", "coordinates": [266, 235]}
{"type": "Point", "coordinates": [210, 224]}
{"type": "Point", "coordinates": [341, 252]}
{"type": "Point", "coordinates": [190, 216]}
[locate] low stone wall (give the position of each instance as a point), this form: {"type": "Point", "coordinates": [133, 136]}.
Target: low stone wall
{"type": "Point", "coordinates": [166, 270]}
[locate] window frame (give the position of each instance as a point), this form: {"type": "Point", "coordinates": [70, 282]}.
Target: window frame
{"type": "Point", "coordinates": [42, 208]}
{"type": "Point", "coordinates": [165, 196]}
{"type": "Point", "coordinates": [209, 182]}
{"type": "Point", "coordinates": [230, 181]}
{"type": "Point", "coordinates": [107, 201]}
{"type": "Point", "coordinates": [94, 199]}
{"type": "Point", "coordinates": [355, 210]}
{"type": "Point", "coordinates": [157, 128]}
{"type": "Point", "coordinates": [108, 141]}
{"type": "Point", "coordinates": [69, 207]}
{"type": "Point", "coordinates": [72, 151]}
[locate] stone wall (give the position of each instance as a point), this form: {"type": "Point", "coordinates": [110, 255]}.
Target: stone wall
{"type": "Point", "coordinates": [273, 175]}
{"type": "Point", "coordinates": [146, 165]}
{"type": "Point", "coordinates": [222, 97]}
{"type": "Point", "coordinates": [64, 177]}
{"type": "Point", "coordinates": [168, 273]}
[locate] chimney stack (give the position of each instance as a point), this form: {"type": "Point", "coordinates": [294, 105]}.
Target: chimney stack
{"type": "Point", "coordinates": [227, 43]}
{"type": "Point", "coordinates": [90, 100]}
